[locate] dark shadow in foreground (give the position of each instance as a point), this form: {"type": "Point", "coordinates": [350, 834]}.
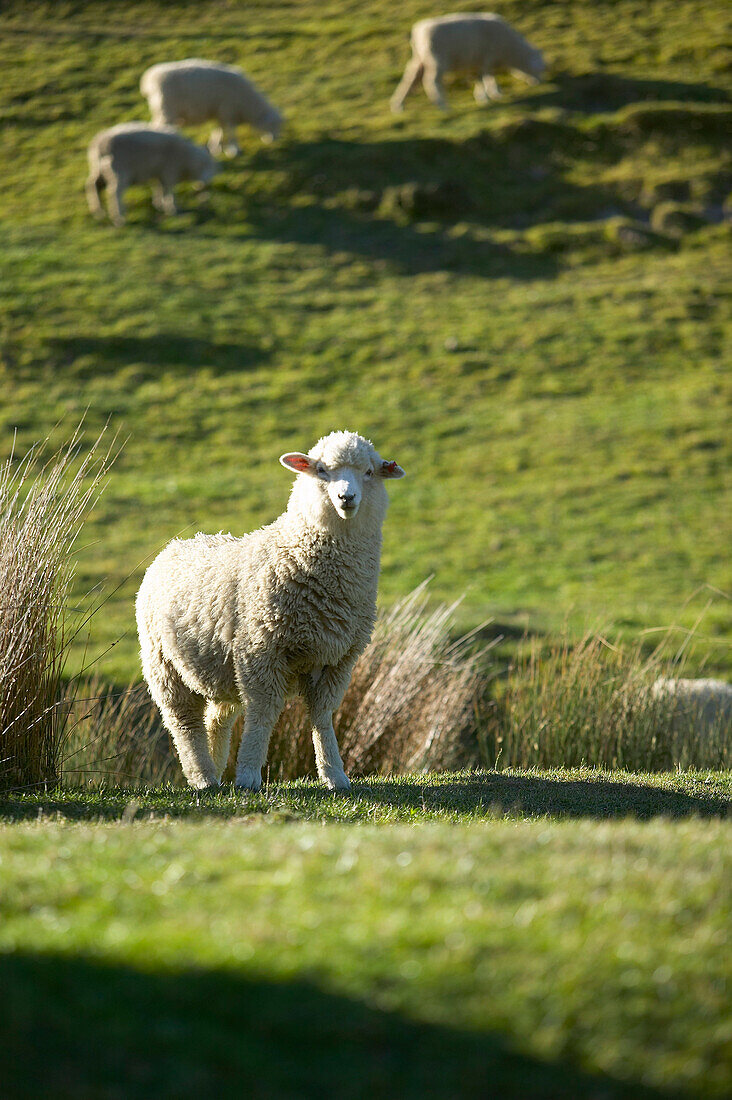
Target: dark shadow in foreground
{"type": "Point", "coordinates": [533, 796]}
{"type": "Point", "coordinates": [79, 1028]}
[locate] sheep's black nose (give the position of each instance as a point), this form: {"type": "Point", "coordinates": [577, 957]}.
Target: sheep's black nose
{"type": "Point", "coordinates": [347, 498]}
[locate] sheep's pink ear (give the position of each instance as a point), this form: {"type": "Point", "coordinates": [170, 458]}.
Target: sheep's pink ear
{"type": "Point", "coordinates": [295, 460]}
{"type": "Point", "coordinates": [390, 469]}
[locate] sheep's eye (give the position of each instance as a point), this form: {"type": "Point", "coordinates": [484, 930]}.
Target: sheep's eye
{"type": "Point", "coordinates": [369, 473]}
{"type": "Point", "coordinates": [321, 471]}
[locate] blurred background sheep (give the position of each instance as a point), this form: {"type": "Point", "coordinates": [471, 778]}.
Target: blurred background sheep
{"type": "Point", "coordinates": [134, 152]}
{"type": "Point", "coordinates": [194, 91]}
{"type": "Point", "coordinates": [704, 704]}
{"type": "Point", "coordinates": [481, 45]}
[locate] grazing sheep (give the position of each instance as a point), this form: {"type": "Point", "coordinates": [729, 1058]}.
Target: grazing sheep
{"type": "Point", "coordinates": [705, 704]}
{"type": "Point", "coordinates": [195, 91]}
{"type": "Point", "coordinates": [229, 622]}
{"type": "Point", "coordinates": [135, 152]}
{"type": "Point", "coordinates": [473, 43]}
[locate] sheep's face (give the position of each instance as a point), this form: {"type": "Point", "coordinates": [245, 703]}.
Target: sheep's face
{"type": "Point", "coordinates": [348, 479]}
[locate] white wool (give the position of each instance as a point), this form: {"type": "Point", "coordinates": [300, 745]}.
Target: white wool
{"type": "Point", "coordinates": [480, 44]}
{"type": "Point", "coordinates": [193, 91]}
{"type": "Point", "coordinates": [228, 622]}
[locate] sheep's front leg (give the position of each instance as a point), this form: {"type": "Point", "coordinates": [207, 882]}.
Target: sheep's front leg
{"type": "Point", "coordinates": [216, 142]}
{"type": "Point", "coordinates": [93, 184]}
{"type": "Point", "coordinates": [115, 190]}
{"type": "Point", "coordinates": [323, 695]}
{"type": "Point", "coordinates": [231, 145]}
{"type": "Point", "coordinates": [259, 719]}
{"type": "Point", "coordinates": [487, 89]}
{"type": "Point", "coordinates": [163, 197]}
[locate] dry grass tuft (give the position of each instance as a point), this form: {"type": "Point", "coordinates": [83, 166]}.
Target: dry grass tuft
{"type": "Point", "coordinates": [42, 510]}
{"type": "Point", "coordinates": [116, 738]}
{"type": "Point", "coordinates": [590, 702]}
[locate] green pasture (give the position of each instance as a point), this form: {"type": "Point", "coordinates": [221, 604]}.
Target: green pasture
{"type": "Point", "coordinates": [499, 297]}
{"type": "Point", "coordinates": [548, 935]}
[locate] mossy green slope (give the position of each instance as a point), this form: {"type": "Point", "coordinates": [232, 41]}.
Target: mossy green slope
{"type": "Point", "coordinates": [484, 294]}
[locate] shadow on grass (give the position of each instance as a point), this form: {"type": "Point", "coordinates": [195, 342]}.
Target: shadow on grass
{"type": "Point", "coordinates": [162, 351]}
{"type": "Point", "coordinates": [74, 1027]}
{"type": "Point", "coordinates": [482, 793]}
{"type": "Point", "coordinates": [601, 91]}
{"type": "Point", "coordinates": [532, 796]}
{"type": "Point", "coordinates": [415, 203]}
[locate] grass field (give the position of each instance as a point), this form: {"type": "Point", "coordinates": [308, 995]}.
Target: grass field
{"type": "Point", "coordinates": [546, 365]}
{"type": "Point", "coordinates": [503, 936]}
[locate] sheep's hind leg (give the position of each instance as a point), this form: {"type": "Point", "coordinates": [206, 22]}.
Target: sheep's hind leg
{"type": "Point", "coordinates": [327, 755]}
{"type": "Point", "coordinates": [220, 717]}
{"type": "Point", "coordinates": [323, 694]}
{"type": "Point", "coordinates": [412, 75]}
{"type": "Point", "coordinates": [182, 712]}
{"type": "Point", "coordinates": [94, 184]}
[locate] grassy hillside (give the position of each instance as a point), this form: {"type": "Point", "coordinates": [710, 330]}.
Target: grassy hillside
{"type": "Point", "coordinates": [502, 298]}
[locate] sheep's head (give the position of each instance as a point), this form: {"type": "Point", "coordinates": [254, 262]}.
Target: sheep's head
{"type": "Point", "coordinates": [203, 166]}
{"type": "Point", "coordinates": [533, 68]}
{"type": "Point", "coordinates": [272, 126]}
{"type": "Point", "coordinates": [342, 470]}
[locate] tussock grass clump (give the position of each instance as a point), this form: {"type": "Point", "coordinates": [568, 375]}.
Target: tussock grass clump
{"type": "Point", "coordinates": [116, 738]}
{"type": "Point", "coordinates": [42, 509]}
{"type": "Point", "coordinates": [590, 702]}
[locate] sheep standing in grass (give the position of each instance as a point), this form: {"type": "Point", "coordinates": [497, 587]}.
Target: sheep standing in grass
{"type": "Point", "coordinates": [480, 45]}
{"type": "Point", "coordinates": [229, 622]}
{"type": "Point", "coordinates": [135, 152]}
{"type": "Point", "coordinates": [190, 92]}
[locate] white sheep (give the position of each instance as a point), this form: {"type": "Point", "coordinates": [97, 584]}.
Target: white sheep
{"type": "Point", "coordinates": [478, 44]}
{"type": "Point", "coordinates": [135, 152]}
{"type": "Point", "coordinates": [227, 623]}
{"type": "Point", "coordinates": [195, 91]}
{"type": "Point", "coordinates": [703, 704]}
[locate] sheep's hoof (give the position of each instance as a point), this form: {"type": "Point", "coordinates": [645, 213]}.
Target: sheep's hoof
{"type": "Point", "coordinates": [249, 779]}
{"type": "Point", "coordinates": [338, 782]}
{"type": "Point", "coordinates": [206, 788]}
